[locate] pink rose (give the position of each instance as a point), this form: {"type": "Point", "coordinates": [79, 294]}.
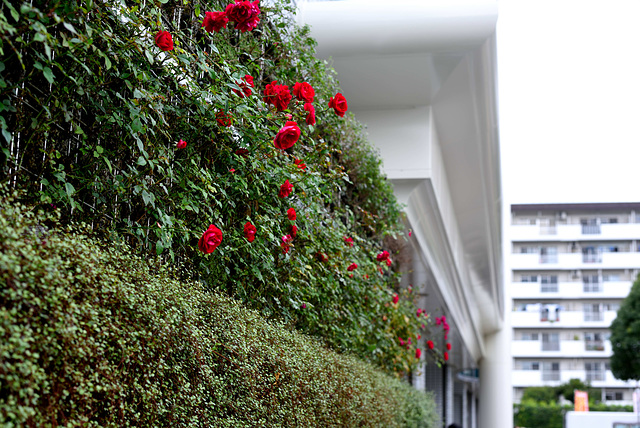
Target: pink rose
{"type": "Point", "coordinates": [352, 267]}
{"type": "Point", "coordinates": [210, 240]}
{"type": "Point", "coordinates": [164, 40]}
{"type": "Point", "coordinates": [430, 344]}
{"type": "Point", "coordinates": [311, 115]}
{"type": "Point", "coordinates": [278, 95]}
{"type": "Point", "coordinates": [244, 85]}
{"type": "Point", "coordinates": [181, 144]}
{"type": "Point", "coordinates": [285, 189]}
{"type": "Point", "coordinates": [418, 353]}
{"type": "Point", "coordinates": [244, 14]}
{"type": "Point", "coordinates": [396, 298]}
{"type": "Point", "coordinates": [286, 243]}
{"type": "Point", "coordinates": [303, 306]}
{"type": "Point", "coordinates": [250, 231]}
{"type": "Point", "coordinates": [287, 136]}
{"type": "Point", "coordinates": [214, 21]}
{"type": "Point", "coordinates": [418, 312]}
{"type": "Point", "coordinates": [291, 214]}
{"type": "Point", "coordinates": [339, 104]}
{"type": "Point", "coordinates": [401, 341]}
{"type": "Point", "coordinates": [304, 92]}
{"type": "Point", "coordinates": [382, 256]}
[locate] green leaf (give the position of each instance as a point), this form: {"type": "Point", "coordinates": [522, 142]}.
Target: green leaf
{"type": "Point", "coordinates": [48, 74]}
{"type": "Point", "coordinates": [148, 55]}
{"type": "Point", "coordinates": [136, 125]}
{"type": "Point", "coordinates": [69, 188]}
{"type": "Point", "coordinates": [141, 161]}
{"type": "Point", "coordinates": [70, 28]}
{"type": "Point", "coordinates": [14, 12]}
{"type": "Point", "coordinates": [159, 247]}
{"type": "Point", "coordinates": [137, 94]}
{"type": "Point", "coordinates": [7, 135]}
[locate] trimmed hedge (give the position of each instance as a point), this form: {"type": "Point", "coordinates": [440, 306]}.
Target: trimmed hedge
{"type": "Point", "coordinates": [92, 336]}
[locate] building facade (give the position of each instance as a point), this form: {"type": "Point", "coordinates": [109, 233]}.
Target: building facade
{"type": "Point", "coordinates": [572, 264]}
{"type": "Point", "coordinates": [421, 76]}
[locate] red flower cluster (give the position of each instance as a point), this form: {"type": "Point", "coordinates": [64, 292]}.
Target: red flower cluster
{"type": "Point", "coordinates": [382, 256]}
{"type": "Point", "coordinates": [352, 267]}
{"type": "Point", "coordinates": [396, 298]}
{"type": "Point", "coordinates": [181, 144]}
{"type": "Point", "coordinates": [164, 40]}
{"type": "Point", "coordinates": [285, 189]}
{"type": "Point", "coordinates": [348, 241]}
{"type": "Point", "coordinates": [430, 344]}
{"type": "Point", "coordinates": [246, 84]}
{"type": "Point", "coordinates": [245, 14]}
{"type": "Point", "coordinates": [418, 353]}
{"type": "Point", "coordinates": [278, 95]}
{"type": "Point", "coordinates": [287, 136]}
{"type": "Point", "coordinates": [224, 119]}
{"type": "Point", "coordinates": [286, 243]}
{"type": "Point", "coordinates": [291, 214]}
{"type": "Point", "coordinates": [294, 230]}
{"type": "Point", "coordinates": [339, 104]}
{"type": "Point", "coordinates": [300, 164]}
{"type": "Point", "coordinates": [210, 240]}
{"type": "Point", "coordinates": [250, 231]}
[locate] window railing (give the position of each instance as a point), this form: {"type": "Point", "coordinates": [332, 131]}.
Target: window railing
{"type": "Point", "coordinates": [595, 375]}
{"type": "Point", "coordinates": [551, 375]}
{"type": "Point", "coordinates": [549, 287]}
{"type": "Point", "coordinates": [594, 345]}
{"type": "Point", "coordinates": [592, 287]}
{"type": "Point", "coordinates": [594, 316]}
{"type": "Point", "coordinates": [591, 258]}
{"type": "Point", "coordinates": [590, 229]}
{"type": "Point", "coordinates": [548, 258]}
{"type": "Point", "coordinates": [550, 346]}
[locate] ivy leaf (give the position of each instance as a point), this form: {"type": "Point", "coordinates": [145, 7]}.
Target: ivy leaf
{"type": "Point", "coordinates": [70, 189]}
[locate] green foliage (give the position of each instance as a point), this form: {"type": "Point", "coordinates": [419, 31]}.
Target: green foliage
{"type": "Point", "coordinates": [625, 337]}
{"type": "Point", "coordinates": [567, 390]}
{"type": "Point", "coordinates": [540, 394]}
{"type": "Point", "coordinates": [91, 336]}
{"type": "Point", "coordinates": [93, 110]}
{"type": "Point", "coordinates": [532, 414]}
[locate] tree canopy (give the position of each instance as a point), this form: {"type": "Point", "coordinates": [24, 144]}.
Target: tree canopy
{"type": "Point", "coordinates": [625, 337]}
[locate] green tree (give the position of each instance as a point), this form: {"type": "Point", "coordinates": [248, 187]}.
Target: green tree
{"type": "Point", "coordinates": [540, 394]}
{"type": "Point", "coordinates": [567, 390]}
{"type": "Point", "coordinates": [625, 337]}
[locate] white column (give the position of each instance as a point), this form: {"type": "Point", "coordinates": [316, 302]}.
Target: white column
{"type": "Point", "coordinates": [496, 395]}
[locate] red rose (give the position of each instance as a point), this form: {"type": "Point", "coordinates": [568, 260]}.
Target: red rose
{"type": "Point", "coordinates": [418, 353]}
{"type": "Point", "coordinates": [322, 257]}
{"type": "Point", "coordinates": [242, 152]}
{"type": "Point", "coordinates": [446, 356]}
{"type": "Point", "coordinates": [382, 256]}
{"type": "Point", "coordinates": [250, 231]}
{"type": "Point", "coordinates": [294, 230]}
{"type": "Point", "coordinates": [285, 189]}
{"type": "Point", "coordinates": [304, 92]}
{"type": "Point", "coordinates": [396, 298]}
{"type": "Point", "coordinates": [448, 347]}
{"type": "Point", "coordinates": [278, 95]}
{"type": "Point", "coordinates": [348, 241]}
{"type": "Point", "coordinates": [224, 119]}
{"type": "Point", "coordinates": [339, 104]}
{"type": "Point", "coordinates": [418, 312]}
{"type": "Point", "coordinates": [164, 40]}
{"type": "Point", "coordinates": [286, 243]}
{"type": "Point", "coordinates": [210, 239]}
{"type": "Point", "coordinates": [244, 14]}
{"type": "Point", "coordinates": [311, 115]}
{"type": "Point", "coordinates": [244, 85]}
{"type": "Point", "coordinates": [287, 136]}
{"type": "Point", "coordinates": [401, 341]}
{"type": "Point", "coordinates": [352, 267]}
{"type": "Point", "coordinates": [214, 21]}
{"type": "Point", "coordinates": [388, 262]}
{"type": "Point", "coordinates": [291, 214]}
{"type": "Point", "coordinates": [300, 164]}
{"type": "Point", "coordinates": [181, 144]}
{"type": "Point", "coordinates": [430, 344]}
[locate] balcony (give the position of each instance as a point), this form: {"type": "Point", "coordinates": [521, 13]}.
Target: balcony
{"type": "Point", "coordinates": [525, 378]}
{"type": "Point", "coordinates": [575, 232]}
{"type": "Point", "coordinates": [570, 290]}
{"type": "Point", "coordinates": [575, 261]}
{"type": "Point", "coordinates": [567, 319]}
{"type": "Point", "coordinates": [535, 349]}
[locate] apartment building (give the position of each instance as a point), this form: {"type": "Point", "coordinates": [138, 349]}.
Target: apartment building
{"type": "Point", "coordinates": [571, 266]}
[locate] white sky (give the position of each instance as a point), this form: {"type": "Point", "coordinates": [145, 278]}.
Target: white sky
{"type": "Point", "coordinates": [569, 100]}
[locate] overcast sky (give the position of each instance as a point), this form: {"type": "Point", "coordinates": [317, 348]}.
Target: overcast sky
{"type": "Point", "coordinates": [569, 100]}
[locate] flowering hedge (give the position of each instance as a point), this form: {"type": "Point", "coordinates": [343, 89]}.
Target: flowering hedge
{"type": "Point", "coordinates": [206, 133]}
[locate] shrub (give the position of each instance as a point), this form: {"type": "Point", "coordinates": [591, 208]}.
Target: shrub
{"type": "Point", "coordinates": [92, 336]}
{"type": "Point", "coordinates": [95, 121]}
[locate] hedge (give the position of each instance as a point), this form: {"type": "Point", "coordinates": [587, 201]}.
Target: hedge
{"type": "Point", "coordinates": [152, 147]}
{"type": "Point", "coordinates": [91, 335]}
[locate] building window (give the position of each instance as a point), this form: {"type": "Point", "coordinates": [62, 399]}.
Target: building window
{"type": "Point", "coordinates": [530, 336]}
{"type": "Point", "coordinates": [590, 226]}
{"type": "Point", "coordinates": [594, 371]}
{"type": "Point", "coordinates": [591, 284]}
{"type": "Point", "coordinates": [593, 342]}
{"type": "Point", "coordinates": [549, 283]}
{"type": "Point", "coordinates": [614, 396]}
{"type": "Point", "coordinates": [548, 255]}
{"type": "Point", "coordinates": [550, 313]}
{"type": "Point", "coordinates": [530, 365]}
{"type": "Point", "coordinates": [593, 312]}
{"type": "Point", "coordinates": [550, 371]}
{"type": "Point", "coordinates": [550, 342]}
{"type": "Point", "coordinates": [591, 255]}
{"type": "Point", "coordinates": [529, 278]}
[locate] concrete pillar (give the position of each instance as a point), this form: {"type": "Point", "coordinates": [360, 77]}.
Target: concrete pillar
{"type": "Point", "coordinates": [495, 395]}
